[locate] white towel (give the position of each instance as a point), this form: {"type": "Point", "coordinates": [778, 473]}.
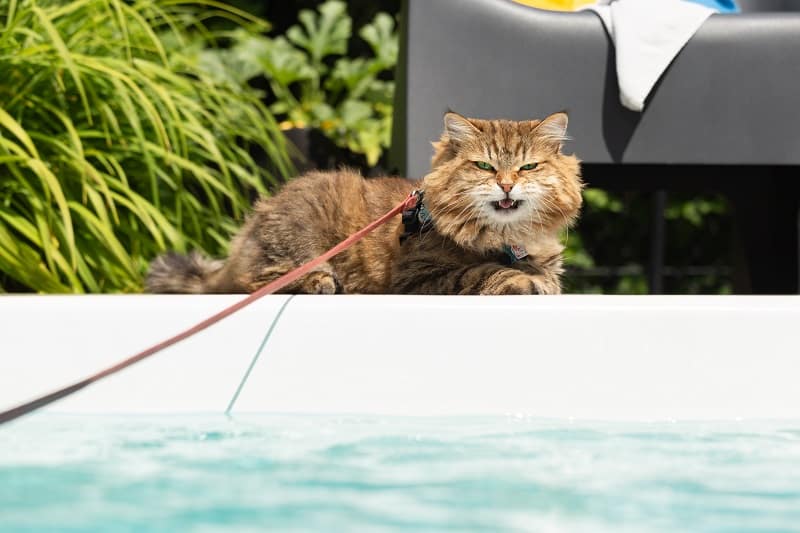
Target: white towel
{"type": "Point", "coordinates": [647, 35]}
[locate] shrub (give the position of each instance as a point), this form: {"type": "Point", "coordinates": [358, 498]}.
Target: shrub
{"type": "Point", "coordinates": [314, 83]}
{"type": "Point", "coordinates": [115, 145]}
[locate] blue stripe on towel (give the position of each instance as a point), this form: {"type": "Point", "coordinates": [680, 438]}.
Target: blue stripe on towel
{"type": "Point", "coordinates": [723, 6]}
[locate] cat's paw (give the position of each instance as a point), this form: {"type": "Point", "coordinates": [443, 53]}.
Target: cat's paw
{"type": "Point", "coordinates": [519, 284]}
{"type": "Point", "coordinates": [320, 283]}
{"type": "Point", "coordinates": [524, 284]}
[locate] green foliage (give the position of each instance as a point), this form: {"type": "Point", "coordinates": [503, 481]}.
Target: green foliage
{"type": "Point", "coordinates": [600, 199]}
{"type": "Point", "coordinates": [695, 212]}
{"type": "Point", "coordinates": [608, 250]}
{"type": "Point", "coordinates": [324, 33]}
{"type": "Point", "coordinates": [115, 145]}
{"type": "Point", "coordinates": [315, 84]}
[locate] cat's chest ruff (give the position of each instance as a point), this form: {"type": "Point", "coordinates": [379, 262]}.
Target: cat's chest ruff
{"type": "Point", "coordinates": [418, 220]}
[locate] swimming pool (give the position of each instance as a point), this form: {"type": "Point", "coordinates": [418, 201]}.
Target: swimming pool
{"type": "Point", "coordinates": [326, 473]}
{"type": "Point", "coordinates": [394, 413]}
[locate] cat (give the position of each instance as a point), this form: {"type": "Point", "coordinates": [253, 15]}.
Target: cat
{"type": "Point", "coordinates": [488, 222]}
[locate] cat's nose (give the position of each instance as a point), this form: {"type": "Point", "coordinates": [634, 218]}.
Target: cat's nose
{"type": "Point", "coordinates": [506, 187]}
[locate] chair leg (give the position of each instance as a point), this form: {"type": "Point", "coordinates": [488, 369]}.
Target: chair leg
{"type": "Point", "coordinates": [658, 241]}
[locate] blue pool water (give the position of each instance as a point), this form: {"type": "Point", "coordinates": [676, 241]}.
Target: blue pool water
{"type": "Point", "coordinates": [296, 473]}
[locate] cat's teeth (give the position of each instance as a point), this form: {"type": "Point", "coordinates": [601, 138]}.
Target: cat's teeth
{"type": "Point", "coordinates": [506, 204]}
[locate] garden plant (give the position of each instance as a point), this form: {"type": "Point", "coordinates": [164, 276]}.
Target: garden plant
{"type": "Point", "coordinates": [116, 144]}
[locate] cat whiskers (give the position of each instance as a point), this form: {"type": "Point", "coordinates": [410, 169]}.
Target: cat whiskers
{"type": "Point", "coordinates": [457, 198]}
{"type": "Point", "coordinates": [458, 220]}
{"type": "Point", "coordinates": [534, 211]}
{"type": "Point", "coordinates": [553, 206]}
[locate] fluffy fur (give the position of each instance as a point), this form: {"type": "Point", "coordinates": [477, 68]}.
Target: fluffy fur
{"type": "Point", "coordinates": [460, 255]}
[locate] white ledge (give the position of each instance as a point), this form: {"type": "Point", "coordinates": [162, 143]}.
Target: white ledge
{"type": "Point", "coordinates": [583, 357]}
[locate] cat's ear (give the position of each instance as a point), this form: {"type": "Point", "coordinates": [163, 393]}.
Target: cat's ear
{"type": "Point", "coordinates": [459, 129]}
{"type": "Point", "coordinates": [553, 129]}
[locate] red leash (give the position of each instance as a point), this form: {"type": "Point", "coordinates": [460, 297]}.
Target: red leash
{"type": "Point", "coordinates": [289, 277]}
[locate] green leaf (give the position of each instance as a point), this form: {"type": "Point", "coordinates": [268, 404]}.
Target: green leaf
{"type": "Point", "coordinates": [323, 33]}
{"type": "Point", "coordinates": [351, 76]}
{"type": "Point", "coordinates": [63, 52]}
{"type": "Point", "coordinates": [353, 112]}
{"type": "Point", "coordinates": [284, 64]}
{"type": "Point", "coordinates": [53, 187]}
{"type": "Point", "coordinates": [381, 36]}
{"type": "Point", "coordinates": [8, 122]}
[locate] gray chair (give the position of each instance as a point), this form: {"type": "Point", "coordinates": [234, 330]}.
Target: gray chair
{"type": "Point", "coordinates": [726, 114]}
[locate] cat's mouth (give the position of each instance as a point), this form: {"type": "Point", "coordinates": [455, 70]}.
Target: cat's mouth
{"type": "Point", "coordinates": [506, 204]}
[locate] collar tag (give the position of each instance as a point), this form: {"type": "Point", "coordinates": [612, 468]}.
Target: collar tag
{"type": "Point", "coordinates": [515, 252]}
{"type": "Point", "coordinates": [423, 215]}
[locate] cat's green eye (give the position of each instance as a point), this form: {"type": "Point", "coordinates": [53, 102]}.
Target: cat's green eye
{"type": "Point", "coordinates": [529, 166]}
{"type": "Point", "coordinates": [483, 165]}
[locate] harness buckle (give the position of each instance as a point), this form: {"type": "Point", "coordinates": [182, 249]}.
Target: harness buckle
{"type": "Point", "coordinates": [416, 220]}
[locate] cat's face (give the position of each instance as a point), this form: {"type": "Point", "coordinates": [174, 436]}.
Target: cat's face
{"type": "Point", "coordinates": [504, 174]}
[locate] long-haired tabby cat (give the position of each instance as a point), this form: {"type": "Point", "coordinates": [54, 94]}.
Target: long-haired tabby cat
{"type": "Point", "coordinates": [495, 201]}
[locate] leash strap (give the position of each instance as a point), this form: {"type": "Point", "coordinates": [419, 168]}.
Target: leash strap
{"type": "Point", "coordinates": [276, 285]}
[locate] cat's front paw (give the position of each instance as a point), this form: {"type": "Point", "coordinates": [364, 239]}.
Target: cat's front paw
{"type": "Point", "coordinates": [319, 282]}
{"type": "Point", "coordinates": [524, 284]}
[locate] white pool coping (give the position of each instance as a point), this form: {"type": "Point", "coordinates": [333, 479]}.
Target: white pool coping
{"type": "Point", "coordinates": [583, 357]}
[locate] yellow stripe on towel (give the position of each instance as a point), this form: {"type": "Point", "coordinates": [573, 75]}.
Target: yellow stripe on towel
{"type": "Point", "coordinates": [557, 5]}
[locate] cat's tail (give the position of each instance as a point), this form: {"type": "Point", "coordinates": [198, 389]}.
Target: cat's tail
{"type": "Point", "coordinates": [174, 273]}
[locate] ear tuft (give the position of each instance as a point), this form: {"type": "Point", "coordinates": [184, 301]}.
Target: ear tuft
{"type": "Point", "coordinates": [554, 128]}
{"type": "Point", "coordinates": [459, 129]}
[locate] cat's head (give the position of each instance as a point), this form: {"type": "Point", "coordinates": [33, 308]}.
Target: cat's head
{"type": "Point", "coordinates": [502, 178]}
